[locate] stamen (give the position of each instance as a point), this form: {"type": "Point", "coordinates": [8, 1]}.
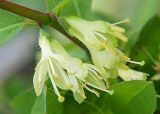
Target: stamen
{"type": "Point", "coordinates": [95, 73]}
{"type": "Point", "coordinates": [107, 84]}
{"type": "Point", "coordinates": [110, 48]}
{"type": "Point", "coordinates": [83, 84]}
{"type": "Point", "coordinates": [111, 92]}
{"type": "Point", "coordinates": [52, 68]}
{"type": "Point", "coordinates": [101, 36]}
{"type": "Point", "coordinates": [120, 36]}
{"type": "Point", "coordinates": [126, 20]}
{"type": "Point", "coordinates": [105, 90]}
{"type": "Point", "coordinates": [69, 85]}
{"type": "Point", "coordinates": [139, 63]}
{"type": "Point", "coordinates": [91, 67]}
{"type": "Point", "coordinates": [123, 56]}
{"type": "Point", "coordinates": [118, 29]}
{"type": "Point", "coordinates": [99, 77]}
{"type": "Point", "coordinates": [123, 66]}
{"type": "Point", "coordinates": [106, 45]}
{"type": "Point", "coordinates": [60, 98]}
{"type": "Point", "coordinates": [92, 90]}
{"type": "Point", "coordinates": [97, 93]}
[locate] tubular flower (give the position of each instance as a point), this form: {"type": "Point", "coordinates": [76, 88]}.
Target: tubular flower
{"type": "Point", "coordinates": [101, 39]}
{"type": "Point", "coordinates": [65, 72]}
{"type": "Point", "coordinates": [48, 66]}
{"type": "Point", "coordinates": [130, 74]}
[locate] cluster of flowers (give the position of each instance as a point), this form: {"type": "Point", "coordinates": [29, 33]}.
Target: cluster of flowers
{"type": "Point", "coordinates": [69, 73]}
{"type": "Point", "coordinates": [101, 38]}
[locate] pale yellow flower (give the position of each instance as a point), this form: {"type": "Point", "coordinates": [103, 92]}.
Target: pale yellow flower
{"type": "Point", "coordinates": [65, 72]}
{"type": "Point", "coordinates": [101, 38]}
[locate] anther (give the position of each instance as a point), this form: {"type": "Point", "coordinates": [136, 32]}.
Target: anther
{"type": "Point", "coordinates": [139, 63]}
{"type": "Point", "coordinates": [126, 20]}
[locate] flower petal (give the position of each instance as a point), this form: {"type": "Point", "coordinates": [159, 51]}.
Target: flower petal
{"type": "Point", "coordinates": [74, 82]}
{"type": "Point", "coordinates": [61, 79]}
{"type": "Point", "coordinates": [40, 77]}
{"type": "Point", "coordinates": [130, 74]}
{"type": "Point", "coordinates": [79, 95]}
{"type": "Point", "coordinates": [94, 81]}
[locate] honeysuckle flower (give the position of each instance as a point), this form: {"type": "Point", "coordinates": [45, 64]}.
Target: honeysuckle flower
{"type": "Point", "coordinates": [81, 74]}
{"type": "Point", "coordinates": [65, 72]}
{"type": "Point", "coordinates": [128, 75]}
{"type": "Point", "coordinates": [101, 39]}
{"type": "Point", "coordinates": [95, 33]}
{"type": "Point", "coordinates": [108, 63]}
{"type": "Point", "coordinates": [48, 66]}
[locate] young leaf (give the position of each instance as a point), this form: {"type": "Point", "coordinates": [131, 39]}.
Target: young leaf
{"type": "Point", "coordinates": [10, 24]}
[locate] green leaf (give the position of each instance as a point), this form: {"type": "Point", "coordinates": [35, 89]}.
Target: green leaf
{"type": "Point", "coordinates": [52, 104]}
{"type": "Point", "coordinates": [23, 103]}
{"type": "Point", "coordinates": [50, 4]}
{"type": "Point", "coordinates": [79, 8]}
{"type": "Point", "coordinates": [47, 102]}
{"type": "Point", "coordinates": [132, 97]}
{"type": "Point", "coordinates": [157, 87]}
{"type": "Point", "coordinates": [39, 105]}
{"type": "Point", "coordinates": [10, 24]}
{"type": "Point", "coordinates": [28, 103]}
{"type": "Point", "coordinates": [58, 8]}
{"type": "Point", "coordinates": [14, 85]}
{"type": "Point", "coordinates": [89, 106]}
{"type": "Point", "coordinates": [147, 47]}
